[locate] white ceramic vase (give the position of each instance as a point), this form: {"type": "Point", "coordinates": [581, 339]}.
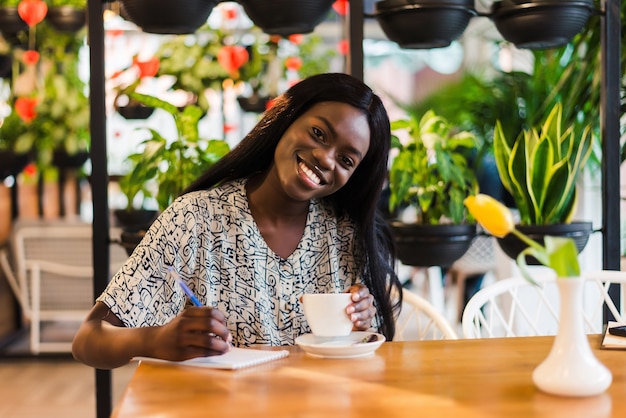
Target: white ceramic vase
{"type": "Point", "coordinates": [571, 368]}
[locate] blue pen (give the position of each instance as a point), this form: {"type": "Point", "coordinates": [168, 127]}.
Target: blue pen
{"type": "Point", "coordinates": [185, 288]}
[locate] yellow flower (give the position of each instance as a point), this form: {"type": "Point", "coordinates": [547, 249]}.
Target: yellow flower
{"type": "Point", "coordinates": [491, 214]}
{"type": "Point", "coordinates": [559, 254]}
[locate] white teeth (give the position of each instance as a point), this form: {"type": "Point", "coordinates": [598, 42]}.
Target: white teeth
{"type": "Point", "coordinates": [310, 174]}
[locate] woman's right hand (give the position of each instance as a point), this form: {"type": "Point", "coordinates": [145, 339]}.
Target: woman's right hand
{"type": "Point", "coordinates": [103, 341]}
{"type": "Point", "coordinates": [196, 332]}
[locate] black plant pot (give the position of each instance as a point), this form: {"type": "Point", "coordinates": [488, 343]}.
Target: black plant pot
{"type": "Point", "coordinates": [11, 24]}
{"type": "Point", "coordinates": [11, 163]}
{"type": "Point", "coordinates": [135, 111]}
{"type": "Point", "coordinates": [431, 245]}
{"type": "Point", "coordinates": [61, 159]}
{"type": "Point", "coordinates": [422, 24]}
{"type": "Point", "coordinates": [6, 66]}
{"type": "Point", "coordinates": [287, 17]}
{"type": "Point", "coordinates": [540, 24]}
{"type": "Point", "coordinates": [168, 16]}
{"type": "Point", "coordinates": [130, 239]}
{"type": "Point", "coordinates": [254, 103]}
{"type": "Point", "coordinates": [68, 19]}
{"type": "Point", "coordinates": [134, 220]}
{"type": "Point", "coordinates": [578, 231]}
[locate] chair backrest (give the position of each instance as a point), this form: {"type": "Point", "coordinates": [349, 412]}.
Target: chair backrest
{"type": "Point", "coordinates": [419, 320]}
{"type": "Point", "coordinates": [514, 307]}
{"type": "Point", "coordinates": [61, 251]}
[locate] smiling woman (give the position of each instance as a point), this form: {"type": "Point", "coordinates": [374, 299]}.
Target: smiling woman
{"type": "Point", "coordinates": [290, 210]}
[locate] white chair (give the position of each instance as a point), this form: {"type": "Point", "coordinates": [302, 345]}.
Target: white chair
{"type": "Point", "coordinates": [480, 258]}
{"type": "Point", "coordinates": [419, 320]}
{"type": "Point", "coordinates": [51, 274]}
{"type": "Point", "coordinates": [514, 307]}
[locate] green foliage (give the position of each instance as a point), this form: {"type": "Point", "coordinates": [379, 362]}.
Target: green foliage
{"type": "Point", "coordinates": [540, 169]}
{"type": "Point", "coordinates": [76, 3]}
{"type": "Point", "coordinates": [431, 171]}
{"type": "Point", "coordinates": [11, 129]}
{"type": "Point", "coordinates": [173, 165]}
{"type": "Point", "coordinates": [192, 60]}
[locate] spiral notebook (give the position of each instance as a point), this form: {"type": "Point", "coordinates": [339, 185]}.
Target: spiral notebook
{"type": "Point", "coordinates": [236, 358]}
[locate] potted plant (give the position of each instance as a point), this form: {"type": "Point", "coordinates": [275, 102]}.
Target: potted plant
{"type": "Point", "coordinates": [432, 175]}
{"type": "Point", "coordinates": [540, 169]}
{"type": "Point", "coordinates": [171, 165]}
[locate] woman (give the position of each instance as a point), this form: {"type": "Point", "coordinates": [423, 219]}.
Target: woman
{"type": "Point", "coordinates": [290, 210]}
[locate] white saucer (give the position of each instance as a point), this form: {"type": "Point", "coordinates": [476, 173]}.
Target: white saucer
{"type": "Point", "coordinates": [340, 347]}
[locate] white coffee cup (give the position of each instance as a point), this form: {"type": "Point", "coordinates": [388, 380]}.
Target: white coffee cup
{"type": "Point", "coordinates": [326, 313]}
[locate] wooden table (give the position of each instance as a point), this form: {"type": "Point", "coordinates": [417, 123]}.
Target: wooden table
{"type": "Point", "coordinates": [453, 378]}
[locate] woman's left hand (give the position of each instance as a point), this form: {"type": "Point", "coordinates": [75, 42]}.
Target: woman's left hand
{"type": "Point", "coordinates": [361, 310]}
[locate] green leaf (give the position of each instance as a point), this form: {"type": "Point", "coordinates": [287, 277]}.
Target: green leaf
{"type": "Point", "coordinates": [563, 256]}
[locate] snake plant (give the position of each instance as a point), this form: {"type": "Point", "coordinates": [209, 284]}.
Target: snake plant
{"type": "Point", "coordinates": [540, 168]}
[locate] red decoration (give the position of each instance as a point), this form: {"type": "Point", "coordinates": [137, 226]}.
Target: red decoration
{"type": "Point", "coordinates": [343, 47]}
{"type": "Point", "coordinates": [25, 108]}
{"type": "Point", "coordinates": [30, 170]}
{"type": "Point", "coordinates": [232, 57]}
{"type": "Point", "coordinates": [115, 32]}
{"type": "Point", "coordinates": [229, 13]}
{"type": "Point", "coordinates": [147, 68]}
{"type": "Point", "coordinates": [293, 63]}
{"type": "Point", "coordinates": [341, 7]}
{"type": "Point", "coordinates": [229, 127]}
{"type": "Point", "coordinates": [296, 38]}
{"type": "Point", "coordinates": [269, 104]}
{"type": "Point", "coordinates": [32, 11]}
{"type": "Point", "coordinates": [30, 57]}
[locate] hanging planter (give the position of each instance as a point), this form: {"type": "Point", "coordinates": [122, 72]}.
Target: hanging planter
{"type": "Point", "coordinates": [61, 159]}
{"type": "Point", "coordinates": [578, 231]}
{"type": "Point", "coordinates": [431, 245]}
{"type": "Point", "coordinates": [11, 163]}
{"type": "Point", "coordinates": [168, 16]}
{"type": "Point", "coordinates": [287, 17]}
{"type": "Point", "coordinates": [11, 24]}
{"type": "Point", "coordinates": [254, 103]}
{"type": "Point", "coordinates": [540, 24]}
{"type": "Point", "coordinates": [6, 65]}
{"type": "Point", "coordinates": [423, 24]}
{"type": "Point", "coordinates": [67, 19]}
{"type": "Point", "coordinates": [135, 111]}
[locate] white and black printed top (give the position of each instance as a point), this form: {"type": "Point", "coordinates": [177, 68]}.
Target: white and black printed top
{"type": "Point", "coordinates": [212, 241]}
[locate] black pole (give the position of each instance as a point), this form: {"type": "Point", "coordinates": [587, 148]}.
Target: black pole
{"type": "Point", "coordinates": [610, 114]}
{"type": "Point", "coordinates": [355, 39]}
{"type": "Point", "coordinates": [99, 181]}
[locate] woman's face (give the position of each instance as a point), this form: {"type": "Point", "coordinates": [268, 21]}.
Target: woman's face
{"type": "Point", "coordinates": [321, 150]}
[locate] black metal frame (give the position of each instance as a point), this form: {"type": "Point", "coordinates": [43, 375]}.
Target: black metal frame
{"type": "Point", "coordinates": [610, 111]}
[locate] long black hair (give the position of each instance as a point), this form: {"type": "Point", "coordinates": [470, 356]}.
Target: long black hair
{"type": "Point", "coordinates": [358, 198]}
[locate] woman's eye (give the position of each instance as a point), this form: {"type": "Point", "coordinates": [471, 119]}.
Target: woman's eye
{"type": "Point", "coordinates": [347, 161]}
{"type": "Point", "coordinates": [318, 134]}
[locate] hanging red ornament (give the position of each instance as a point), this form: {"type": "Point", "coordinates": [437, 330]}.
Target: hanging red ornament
{"type": "Point", "coordinates": [229, 127]}
{"type": "Point", "coordinates": [229, 13]}
{"type": "Point", "coordinates": [30, 57]}
{"type": "Point", "coordinates": [25, 108]}
{"type": "Point", "coordinates": [32, 11]}
{"type": "Point", "coordinates": [232, 57]}
{"type": "Point", "coordinates": [341, 7]}
{"type": "Point", "coordinates": [296, 38]}
{"type": "Point", "coordinates": [343, 47]}
{"type": "Point", "coordinates": [147, 68]}
{"type": "Point", "coordinates": [293, 63]}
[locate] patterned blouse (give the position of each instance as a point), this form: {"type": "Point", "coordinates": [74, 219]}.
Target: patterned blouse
{"type": "Point", "coordinates": [210, 238]}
